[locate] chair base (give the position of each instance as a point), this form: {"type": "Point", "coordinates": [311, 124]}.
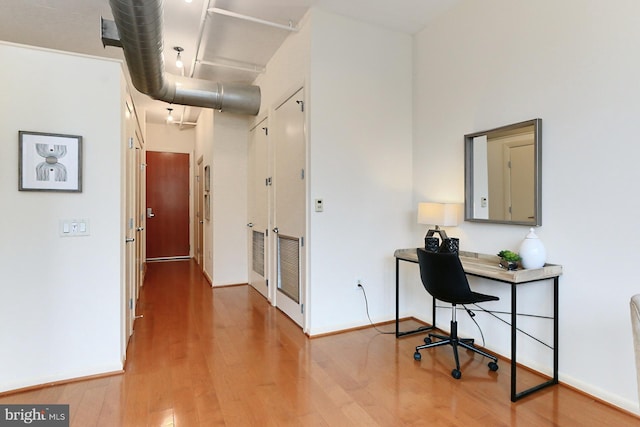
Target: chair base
{"type": "Point", "coordinates": [455, 342]}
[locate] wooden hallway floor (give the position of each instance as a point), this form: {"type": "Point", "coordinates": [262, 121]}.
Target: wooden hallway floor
{"type": "Point", "coordinates": [224, 356]}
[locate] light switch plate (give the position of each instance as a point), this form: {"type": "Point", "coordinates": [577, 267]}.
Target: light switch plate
{"type": "Point", "coordinates": [74, 227]}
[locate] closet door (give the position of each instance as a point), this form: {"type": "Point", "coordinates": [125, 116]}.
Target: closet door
{"type": "Point", "coordinates": [289, 180]}
{"type": "Point", "coordinates": [258, 208]}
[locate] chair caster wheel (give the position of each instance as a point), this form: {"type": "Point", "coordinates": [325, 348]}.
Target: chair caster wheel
{"type": "Point", "coordinates": [427, 340]}
{"type": "Point", "coordinates": [493, 366]}
{"type": "Point", "coordinates": [417, 356]}
{"type": "Point", "coordinates": [456, 374]}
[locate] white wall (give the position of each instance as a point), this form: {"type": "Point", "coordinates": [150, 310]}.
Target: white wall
{"type": "Point", "coordinates": [170, 138]}
{"type": "Point", "coordinates": [60, 298]}
{"type": "Point", "coordinates": [360, 165]}
{"type": "Point", "coordinates": [357, 80]}
{"type": "Point", "coordinates": [229, 198]}
{"type": "Point", "coordinates": [221, 140]}
{"type": "Point", "coordinates": [204, 149]}
{"type": "Point", "coordinates": [571, 63]}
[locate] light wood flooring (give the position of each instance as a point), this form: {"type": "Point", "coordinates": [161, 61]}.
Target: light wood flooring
{"type": "Point", "coordinates": [224, 356]}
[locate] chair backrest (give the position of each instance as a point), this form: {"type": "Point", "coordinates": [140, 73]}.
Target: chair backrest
{"type": "Point", "coordinates": [443, 277]}
{"type": "Point", "coordinates": [634, 306]}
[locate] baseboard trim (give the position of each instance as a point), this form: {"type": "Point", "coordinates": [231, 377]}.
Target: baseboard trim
{"type": "Point", "coordinates": [61, 382]}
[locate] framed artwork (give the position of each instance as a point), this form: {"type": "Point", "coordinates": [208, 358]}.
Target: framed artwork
{"type": "Point", "coordinates": [207, 207]}
{"type": "Point", "coordinates": [49, 162]}
{"type": "Point", "coordinates": [207, 178]}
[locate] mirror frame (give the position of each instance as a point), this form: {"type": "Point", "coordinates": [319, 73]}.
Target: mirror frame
{"type": "Point", "coordinates": [468, 173]}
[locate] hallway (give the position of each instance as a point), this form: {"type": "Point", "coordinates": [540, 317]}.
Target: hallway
{"type": "Point", "coordinates": [223, 356]}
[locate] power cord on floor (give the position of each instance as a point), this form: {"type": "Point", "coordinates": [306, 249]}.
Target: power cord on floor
{"type": "Point", "coordinates": [366, 304]}
{"type": "Point", "coordinates": [472, 315]}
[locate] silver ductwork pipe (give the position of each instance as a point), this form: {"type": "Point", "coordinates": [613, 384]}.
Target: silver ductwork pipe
{"type": "Point", "coordinates": [139, 24]}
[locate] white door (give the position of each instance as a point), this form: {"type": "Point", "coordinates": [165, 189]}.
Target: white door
{"type": "Point", "coordinates": [130, 236]}
{"type": "Point", "coordinates": [289, 187]}
{"type": "Point", "coordinates": [258, 223]}
{"type": "Point", "coordinates": [521, 182]}
{"type": "Point", "coordinates": [140, 215]}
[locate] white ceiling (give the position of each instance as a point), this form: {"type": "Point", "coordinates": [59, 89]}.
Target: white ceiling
{"type": "Point", "coordinates": [74, 26]}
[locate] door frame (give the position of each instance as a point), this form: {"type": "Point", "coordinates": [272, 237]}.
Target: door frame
{"type": "Point", "coordinates": [275, 294]}
{"type": "Point", "coordinates": [198, 225]}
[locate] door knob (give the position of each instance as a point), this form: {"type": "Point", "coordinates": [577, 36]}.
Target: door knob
{"type": "Point", "coordinates": [129, 239]}
{"type": "Point", "coordinates": [250, 225]}
{"type": "Point", "coordinates": [276, 230]}
{"type": "Point", "coordinates": [140, 229]}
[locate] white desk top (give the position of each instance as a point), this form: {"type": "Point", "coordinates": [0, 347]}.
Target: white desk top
{"type": "Point", "coordinates": [488, 266]}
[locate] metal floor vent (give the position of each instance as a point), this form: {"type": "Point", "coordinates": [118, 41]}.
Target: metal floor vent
{"type": "Point", "coordinates": [258, 252]}
{"type": "Point", "coordinates": [289, 266]}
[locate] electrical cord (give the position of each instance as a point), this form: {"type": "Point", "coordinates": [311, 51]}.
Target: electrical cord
{"type": "Point", "coordinates": [366, 304]}
{"type": "Point", "coordinates": [472, 315]}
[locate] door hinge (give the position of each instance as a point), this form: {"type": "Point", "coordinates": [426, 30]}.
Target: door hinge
{"type": "Point", "coordinates": [130, 303]}
{"type": "Point", "coordinates": [302, 241]}
{"type": "Point", "coordinates": [509, 164]}
{"type": "Point", "coordinates": [266, 130]}
{"type": "Point", "coordinates": [301, 104]}
{"type": "Point", "coordinates": [267, 282]}
{"type": "Point", "coordinates": [130, 142]}
{"type": "Point", "coordinates": [302, 174]}
{"type": "Point", "coordinates": [268, 181]}
{"type": "Point", "coordinates": [266, 232]}
{"type": "Point", "coordinates": [302, 308]}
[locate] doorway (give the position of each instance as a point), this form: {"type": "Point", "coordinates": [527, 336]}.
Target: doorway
{"type": "Point", "coordinates": [199, 204]}
{"type": "Point", "coordinates": [167, 202]}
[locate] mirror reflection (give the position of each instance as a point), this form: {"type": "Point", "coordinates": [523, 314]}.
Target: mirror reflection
{"type": "Point", "coordinates": [503, 174]}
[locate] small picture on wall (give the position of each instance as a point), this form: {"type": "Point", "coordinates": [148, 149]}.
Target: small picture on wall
{"type": "Point", "coordinates": [49, 162]}
{"type": "Point", "coordinates": [207, 178]}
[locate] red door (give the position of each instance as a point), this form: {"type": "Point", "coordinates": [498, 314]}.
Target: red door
{"type": "Point", "coordinates": [167, 205]}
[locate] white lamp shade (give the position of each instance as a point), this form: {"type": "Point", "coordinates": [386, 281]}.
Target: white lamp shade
{"type": "Point", "coordinates": [443, 214]}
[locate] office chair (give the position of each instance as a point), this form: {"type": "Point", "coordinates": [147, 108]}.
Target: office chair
{"type": "Point", "coordinates": [444, 278]}
{"type": "Point", "coordinates": [634, 306]}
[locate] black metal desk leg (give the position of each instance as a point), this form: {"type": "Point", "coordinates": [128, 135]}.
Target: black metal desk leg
{"type": "Point", "coordinates": [513, 342]}
{"type": "Point", "coordinates": [556, 280]}
{"type": "Point", "coordinates": [397, 297]}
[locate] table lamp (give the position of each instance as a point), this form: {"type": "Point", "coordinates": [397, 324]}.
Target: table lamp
{"type": "Point", "coordinates": [438, 214]}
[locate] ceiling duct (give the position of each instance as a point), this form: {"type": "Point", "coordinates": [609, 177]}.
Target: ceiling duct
{"type": "Point", "coordinates": [139, 27]}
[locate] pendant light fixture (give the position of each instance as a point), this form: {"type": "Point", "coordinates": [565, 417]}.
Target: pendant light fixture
{"type": "Point", "coordinates": [179, 62]}
{"type": "Point", "coordinates": [169, 116]}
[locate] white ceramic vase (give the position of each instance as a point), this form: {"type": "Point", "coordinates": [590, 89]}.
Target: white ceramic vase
{"type": "Point", "coordinates": [532, 251]}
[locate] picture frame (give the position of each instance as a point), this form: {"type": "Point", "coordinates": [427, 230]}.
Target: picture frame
{"type": "Point", "coordinates": [207, 207]}
{"type": "Point", "coordinates": [49, 162]}
{"type": "Point", "coordinates": [207, 178]}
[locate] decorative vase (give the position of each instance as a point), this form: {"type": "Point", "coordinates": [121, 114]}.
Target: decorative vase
{"type": "Point", "coordinates": [532, 251]}
{"type": "Point", "coordinates": [450, 245]}
{"type": "Point", "coordinates": [431, 244]}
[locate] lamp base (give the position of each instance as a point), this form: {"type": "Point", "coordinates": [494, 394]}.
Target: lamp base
{"type": "Point", "coordinates": [438, 230]}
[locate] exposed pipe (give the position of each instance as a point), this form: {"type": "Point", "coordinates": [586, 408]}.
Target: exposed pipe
{"type": "Point", "coordinates": [139, 24]}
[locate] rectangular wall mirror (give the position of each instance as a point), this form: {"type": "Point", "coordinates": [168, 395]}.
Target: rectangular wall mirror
{"type": "Point", "coordinates": [503, 174]}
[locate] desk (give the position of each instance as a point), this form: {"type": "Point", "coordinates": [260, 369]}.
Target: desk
{"type": "Point", "coordinates": [487, 266]}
